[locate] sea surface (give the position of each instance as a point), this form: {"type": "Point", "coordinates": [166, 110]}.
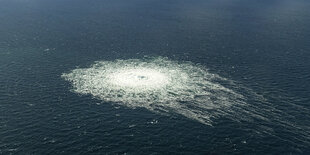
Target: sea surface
{"type": "Point", "coordinates": [261, 45]}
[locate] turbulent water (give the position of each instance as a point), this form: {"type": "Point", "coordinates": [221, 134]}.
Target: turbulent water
{"type": "Point", "coordinates": [154, 77]}
{"type": "Point", "coordinates": [164, 86]}
{"type": "Point", "coordinates": [159, 85]}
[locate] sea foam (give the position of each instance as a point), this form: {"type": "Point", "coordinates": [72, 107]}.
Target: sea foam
{"type": "Point", "coordinates": [159, 85]}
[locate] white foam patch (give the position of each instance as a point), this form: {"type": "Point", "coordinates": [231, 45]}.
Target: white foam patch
{"type": "Point", "coordinates": [138, 78]}
{"type": "Point", "coordinates": [159, 85]}
{"type": "Point", "coordinates": [171, 87]}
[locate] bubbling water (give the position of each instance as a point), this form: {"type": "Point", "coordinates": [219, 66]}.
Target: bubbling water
{"type": "Point", "coordinates": [171, 87]}
{"type": "Point", "coordinates": [159, 85]}
{"type": "Point", "coordinates": [143, 78]}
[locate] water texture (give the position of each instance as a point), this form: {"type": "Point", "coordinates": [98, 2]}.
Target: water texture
{"type": "Point", "coordinates": [204, 77]}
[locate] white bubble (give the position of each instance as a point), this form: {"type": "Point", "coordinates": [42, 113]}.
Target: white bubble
{"type": "Point", "coordinates": [138, 78]}
{"type": "Point", "coordinates": [159, 85]}
{"type": "Point", "coordinates": [172, 87]}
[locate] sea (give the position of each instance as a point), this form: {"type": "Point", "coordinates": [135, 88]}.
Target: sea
{"type": "Point", "coordinates": [262, 46]}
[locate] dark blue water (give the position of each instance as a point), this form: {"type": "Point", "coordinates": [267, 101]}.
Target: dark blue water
{"type": "Point", "coordinates": [263, 45]}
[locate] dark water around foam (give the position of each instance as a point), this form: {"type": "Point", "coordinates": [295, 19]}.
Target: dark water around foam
{"type": "Point", "coordinates": [262, 44]}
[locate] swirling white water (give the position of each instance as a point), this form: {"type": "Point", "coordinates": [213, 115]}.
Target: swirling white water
{"type": "Point", "coordinates": [159, 85]}
{"type": "Point", "coordinates": [170, 87]}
